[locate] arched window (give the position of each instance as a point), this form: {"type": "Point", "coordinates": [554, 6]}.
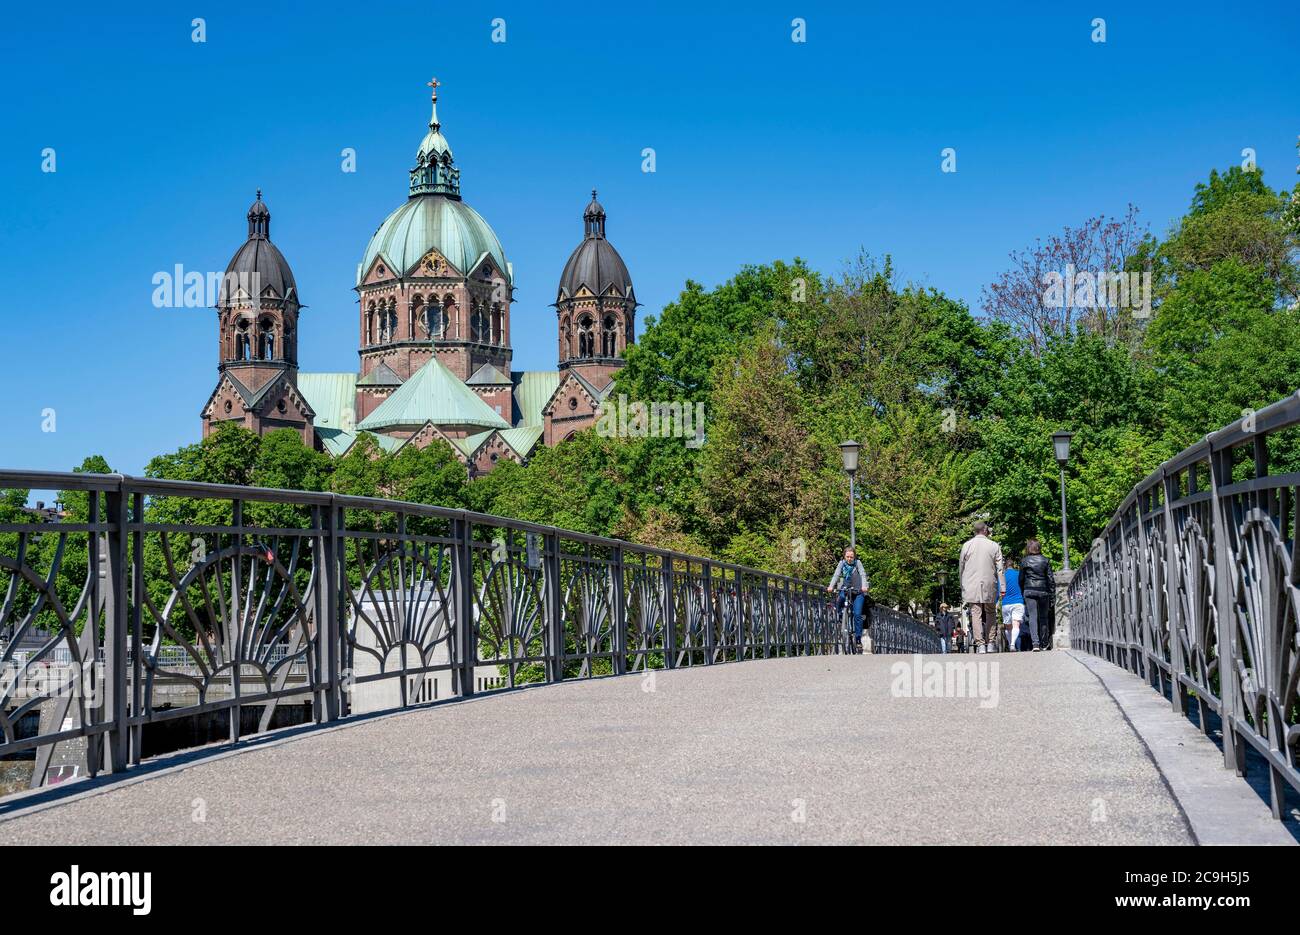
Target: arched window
{"type": "Point", "coordinates": [434, 320]}
{"type": "Point", "coordinates": [415, 316]}
{"type": "Point", "coordinates": [586, 344]}
{"type": "Point", "coordinates": [478, 324]}
{"type": "Point", "coordinates": [388, 328]}
{"type": "Point", "coordinates": [450, 318]}
{"type": "Point", "coordinates": [496, 324]}
{"type": "Point", "coordinates": [243, 351]}
{"type": "Point", "coordinates": [370, 324]}
{"type": "Point", "coordinates": [266, 339]}
{"type": "Point", "coordinates": [608, 338]}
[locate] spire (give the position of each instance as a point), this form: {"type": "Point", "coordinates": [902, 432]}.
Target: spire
{"type": "Point", "coordinates": [433, 120]}
{"type": "Point", "coordinates": [259, 219]}
{"type": "Point", "coordinates": [593, 219]}
{"type": "Point", "coordinates": [434, 172]}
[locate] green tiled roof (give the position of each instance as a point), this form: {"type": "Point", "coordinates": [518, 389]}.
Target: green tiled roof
{"type": "Point", "coordinates": [387, 442]}
{"type": "Point", "coordinates": [469, 444]}
{"type": "Point", "coordinates": [336, 441]}
{"type": "Point", "coordinates": [533, 389]}
{"type": "Point", "coordinates": [523, 438]}
{"type": "Point", "coordinates": [332, 396]}
{"type": "Point", "coordinates": [598, 393]}
{"type": "Point", "coordinates": [432, 394]}
{"type": "Point", "coordinates": [382, 375]}
{"type": "Point", "coordinates": [487, 375]}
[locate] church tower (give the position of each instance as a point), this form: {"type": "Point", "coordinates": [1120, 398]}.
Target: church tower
{"type": "Point", "coordinates": [257, 339]}
{"type": "Point", "coordinates": [596, 312]}
{"type": "Point", "coordinates": [596, 305]}
{"type": "Point", "coordinates": [434, 284]}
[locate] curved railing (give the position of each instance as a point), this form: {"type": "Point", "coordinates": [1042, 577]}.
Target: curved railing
{"type": "Point", "coordinates": [1194, 585]}
{"type": "Point", "coordinates": [168, 600]}
{"type": "Point", "coordinates": [893, 631]}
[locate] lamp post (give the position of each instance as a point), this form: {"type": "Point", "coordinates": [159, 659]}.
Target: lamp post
{"type": "Point", "coordinates": [1061, 445]}
{"type": "Point", "coordinates": [943, 582]}
{"type": "Point", "coordinates": [849, 455]}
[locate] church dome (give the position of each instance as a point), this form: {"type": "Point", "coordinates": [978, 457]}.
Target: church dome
{"type": "Point", "coordinates": [434, 217]}
{"type": "Point", "coordinates": [595, 265]}
{"type": "Point", "coordinates": [434, 222]}
{"type": "Point", "coordinates": [258, 264]}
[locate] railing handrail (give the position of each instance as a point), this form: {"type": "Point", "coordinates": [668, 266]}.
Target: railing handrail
{"type": "Point", "coordinates": [230, 608]}
{"type": "Point", "coordinates": [1184, 588]}
{"type": "Point", "coordinates": [1280, 414]}
{"type": "Point", "coordinates": [68, 480]}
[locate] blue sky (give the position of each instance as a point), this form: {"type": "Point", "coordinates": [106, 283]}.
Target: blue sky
{"type": "Point", "coordinates": [765, 149]}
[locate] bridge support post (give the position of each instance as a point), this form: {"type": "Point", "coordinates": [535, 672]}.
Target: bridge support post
{"type": "Point", "coordinates": [114, 709]}
{"type": "Point", "coordinates": [554, 611]}
{"type": "Point", "coordinates": [137, 629]}
{"type": "Point", "coordinates": [618, 596]}
{"type": "Point", "coordinates": [670, 615]}
{"type": "Point", "coordinates": [1234, 755]}
{"type": "Point", "coordinates": [1173, 613]}
{"type": "Point", "coordinates": [744, 613]}
{"type": "Point", "coordinates": [463, 575]}
{"type": "Point", "coordinates": [706, 611]}
{"type": "Point", "coordinates": [330, 702]}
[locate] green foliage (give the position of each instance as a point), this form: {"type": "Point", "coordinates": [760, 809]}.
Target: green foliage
{"type": "Point", "coordinates": [954, 412]}
{"type": "Point", "coordinates": [674, 357]}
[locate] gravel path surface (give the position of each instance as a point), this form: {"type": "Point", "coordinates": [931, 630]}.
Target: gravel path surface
{"type": "Point", "coordinates": [811, 750]}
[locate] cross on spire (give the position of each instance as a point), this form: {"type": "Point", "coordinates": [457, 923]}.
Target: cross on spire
{"type": "Point", "coordinates": [433, 83]}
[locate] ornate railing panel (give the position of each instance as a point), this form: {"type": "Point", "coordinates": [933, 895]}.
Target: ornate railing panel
{"type": "Point", "coordinates": [893, 631]}
{"type": "Point", "coordinates": [1194, 585]}
{"type": "Point", "coordinates": [240, 607]}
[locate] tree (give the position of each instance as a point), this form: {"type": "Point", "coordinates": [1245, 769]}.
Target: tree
{"type": "Point", "coordinates": [1021, 295]}
{"type": "Point", "coordinates": [758, 449]}
{"type": "Point", "coordinates": [675, 355]}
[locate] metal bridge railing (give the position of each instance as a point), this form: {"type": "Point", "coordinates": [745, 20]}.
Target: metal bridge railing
{"type": "Point", "coordinates": [1194, 585]}
{"type": "Point", "coordinates": [175, 599]}
{"type": "Point", "coordinates": [893, 631]}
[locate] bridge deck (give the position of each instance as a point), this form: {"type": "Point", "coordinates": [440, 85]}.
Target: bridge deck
{"type": "Point", "coordinates": [734, 753]}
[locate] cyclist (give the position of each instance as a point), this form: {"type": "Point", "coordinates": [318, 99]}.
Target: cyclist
{"type": "Point", "coordinates": [850, 583]}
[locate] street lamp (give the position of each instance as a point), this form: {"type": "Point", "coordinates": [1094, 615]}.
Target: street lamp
{"type": "Point", "coordinates": [943, 582]}
{"type": "Point", "coordinates": [849, 455]}
{"type": "Point", "coordinates": [1061, 446]}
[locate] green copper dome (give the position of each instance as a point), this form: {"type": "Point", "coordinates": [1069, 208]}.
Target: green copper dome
{"type": "Point", "coordinates": [434, 217]}
{"type": "Point", "coordinates": [434, 222]}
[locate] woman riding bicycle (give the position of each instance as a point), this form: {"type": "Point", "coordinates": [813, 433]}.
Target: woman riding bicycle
{"type": "Point", "coordinates": [850, 584]}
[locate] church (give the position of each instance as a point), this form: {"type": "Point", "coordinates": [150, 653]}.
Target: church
{"type": "Point", "coordinates": [434, 293]}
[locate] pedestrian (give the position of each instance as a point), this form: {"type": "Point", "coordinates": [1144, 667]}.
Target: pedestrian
{"type": "Point", "coordinates": [1013, 608]}
{"type": "Point", "coordinates": [944, 624]}
{"type": "Point", "coordinates": [1039, 586]}
{"type": "Point", "coordinates": [983, 583]}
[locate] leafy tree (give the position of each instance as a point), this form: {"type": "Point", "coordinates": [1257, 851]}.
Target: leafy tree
{"type": "Point", "coordinates": [1020, 295]}
{"type": "Point", "coordinates": [1236, 216]}
{"type": "Point", "coordinates": [674, 357]}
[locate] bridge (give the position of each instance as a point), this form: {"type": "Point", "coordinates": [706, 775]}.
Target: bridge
{"type": "Point", "coordinates": [226, 664]}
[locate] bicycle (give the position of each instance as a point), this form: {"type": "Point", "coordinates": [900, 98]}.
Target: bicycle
{"type": "Point", "coordinates": [852, 645]}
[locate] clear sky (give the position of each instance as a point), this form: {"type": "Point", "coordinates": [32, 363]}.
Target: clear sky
{"type": "Point", "coordinates": [765, 148]}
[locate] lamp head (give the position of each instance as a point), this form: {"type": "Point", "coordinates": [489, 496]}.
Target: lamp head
{"type": "Point", "coordinates": [849, 455]}
{"type": "Point", "coordinates": [1061, 446]}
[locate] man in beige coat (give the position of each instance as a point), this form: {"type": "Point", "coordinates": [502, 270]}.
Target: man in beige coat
{"type": "Point", "coordinates": [983, 583]}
